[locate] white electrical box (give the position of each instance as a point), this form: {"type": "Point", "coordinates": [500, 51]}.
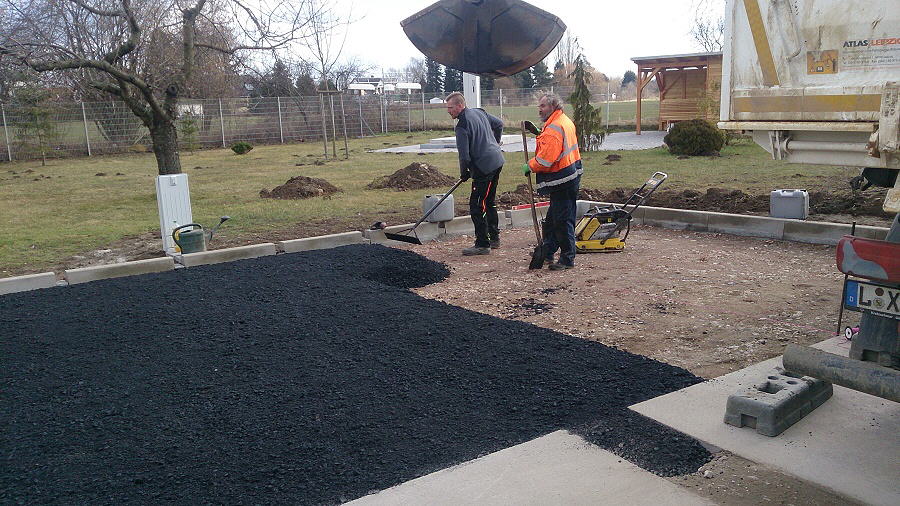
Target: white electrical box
{"type": "Point", "coordinates": [174, 200]}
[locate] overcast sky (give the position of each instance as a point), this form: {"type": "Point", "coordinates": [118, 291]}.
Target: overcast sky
{"type": "Point", "coordinates": [611, 32]}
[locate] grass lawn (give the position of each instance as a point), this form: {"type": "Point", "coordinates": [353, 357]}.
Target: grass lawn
{"type": "Point", "coordinates": [71, 209]}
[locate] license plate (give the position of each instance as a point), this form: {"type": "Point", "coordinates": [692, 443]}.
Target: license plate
{"type": "Point", "coordinates": [873, 298]}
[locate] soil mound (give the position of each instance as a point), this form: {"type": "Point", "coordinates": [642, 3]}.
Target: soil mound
{"type": "Point", "coordinates": [300, 187]}
{"type": "Point", "coordinates": [724, 200]}
{"type": "Point", "coordinates": [517, 197]}
{"type": "Point", "coordinates": [415, 176]}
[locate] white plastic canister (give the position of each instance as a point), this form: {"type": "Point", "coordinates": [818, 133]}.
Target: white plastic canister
{"type": "Point", "coordinates": [793, 204]}
{"type": "Point", "coordinates": [444, 212]}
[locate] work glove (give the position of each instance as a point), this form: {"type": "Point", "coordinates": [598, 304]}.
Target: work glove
{"type": "Point", "coordinates": [526, 169]}
{"type": "Point", "coordinates": [465, 174]}
{"type": "Point", "coordinates": [531, 127]}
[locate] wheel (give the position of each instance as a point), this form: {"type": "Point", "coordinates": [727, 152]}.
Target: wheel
{"type": "Point", "coordinates": [848, 333]}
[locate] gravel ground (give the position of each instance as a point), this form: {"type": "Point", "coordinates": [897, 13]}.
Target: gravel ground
{"type": "Point", "coordinates": [307, 378]}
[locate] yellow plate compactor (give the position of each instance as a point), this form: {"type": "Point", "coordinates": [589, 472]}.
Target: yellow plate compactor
{"type": "Point", "coordinates": [604, 229]}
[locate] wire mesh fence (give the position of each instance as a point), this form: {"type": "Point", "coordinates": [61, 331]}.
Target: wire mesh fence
{"type": "Point", "coordinates": [61, 129]}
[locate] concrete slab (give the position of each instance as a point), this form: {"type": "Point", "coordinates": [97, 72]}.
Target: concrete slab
{"type": "Point", "coordinates": [520, 218]}
{"type": "Point", "coordinates": [87, 274]}
{"type": "Point", "coordinates": [321, 242]}
{"type": "Point", "coordinates": [630, 141]}
{"type": "Point", "coordinates": [848, 445]}
{"type": "Point", "coordinates": [559, 468]}
{"type": "Point", "coordinates": [815, 232]}
{"type": "Point", "coordinates": [750, 226]}
{"type": "Point", "coordinates": [425, 231]}
{"type": "Point", "coordinates": [228, 255]}
{"type": "Point", "coordinates": [676, 219]}
{"type": "Point", "coordinates": [27, 283]}
{"type": "Point", "coordinates": [459, 225]}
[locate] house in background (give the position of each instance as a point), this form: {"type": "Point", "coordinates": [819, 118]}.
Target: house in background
{"type": "Point", "coordinates": [689, 86]}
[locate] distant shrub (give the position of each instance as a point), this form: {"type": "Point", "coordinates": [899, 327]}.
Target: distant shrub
{"type": "Point", "coordinates": [241, 148]}
{"type": "Point", "coordinates": [694, 137]}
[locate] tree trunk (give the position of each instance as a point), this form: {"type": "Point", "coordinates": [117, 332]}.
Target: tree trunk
{"type": "Point", "coordinates": [165, 147]}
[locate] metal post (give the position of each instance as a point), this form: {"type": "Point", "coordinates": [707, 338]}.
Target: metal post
{"type": "Point", "coordinates": [408, 118]}
{"type": "Point", "coordinates": [344, 124]}
{"type": "Point", "coordinates": [501, 103]}
{"type": "Point", "coordinates": [383, 115]}
{"type": "Point", "coordinates": [333, 128]}
{"type": "Point", "coordinates": [280, 123]}
{"type": "Point", "coordinates": [222, 123]}
{"type": "Point", "coordinates": [87, 138]}
{"type": "Point", "coordinates": [359, 100]}
{"type": "Point", "coordinates": [607, 107]}
{"type": "Point", "coordinates": [423, 111]}
{"type": "Point", "coordinates": [6, 133]}
{"type": "Point", "coordinates": [324, 125]}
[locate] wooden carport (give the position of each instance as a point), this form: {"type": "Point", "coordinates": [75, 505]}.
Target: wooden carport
{"type": "Point", "coordinates": [689, 86]}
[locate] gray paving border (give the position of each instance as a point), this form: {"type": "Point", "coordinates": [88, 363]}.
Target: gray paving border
{"type": "Point", "coordinates": [813, 232]}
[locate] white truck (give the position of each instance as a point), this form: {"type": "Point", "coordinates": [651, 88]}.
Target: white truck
{"type": "Point", "coordinates": [817, 81]}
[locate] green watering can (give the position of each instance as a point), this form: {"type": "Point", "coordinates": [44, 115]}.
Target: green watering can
{"type": "Point", "coordinates": [194, 240]}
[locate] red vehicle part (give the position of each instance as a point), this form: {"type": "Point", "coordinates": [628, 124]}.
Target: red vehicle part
{"type": "Point", "coordinates": [869, 258]}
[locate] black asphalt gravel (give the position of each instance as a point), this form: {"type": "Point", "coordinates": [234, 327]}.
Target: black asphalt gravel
{"type": "Point", "coordinates": [308, 378]}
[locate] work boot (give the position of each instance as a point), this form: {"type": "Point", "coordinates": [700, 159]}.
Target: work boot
{"type": "Point", "coordinates": [476, 250]}
{"type": "Point", "coordinates": [559, 267]}
{"type": "Point", "coordinates": [495, 243]}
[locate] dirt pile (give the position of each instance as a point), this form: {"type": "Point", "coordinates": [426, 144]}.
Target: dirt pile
{"type": "Point", "coordinates": [415, 176]}
{"type": "Point", "coordinates": [517, 197]}
{"type": "Point", "coordinates": [724, 200]}
{"type": "Point", "coordinates": [300, 187]}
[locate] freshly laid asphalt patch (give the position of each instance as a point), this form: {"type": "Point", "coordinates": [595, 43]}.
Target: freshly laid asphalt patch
{"type": "Point", "coordinates": [310, 378]}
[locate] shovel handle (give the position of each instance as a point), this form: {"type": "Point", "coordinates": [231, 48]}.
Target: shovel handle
{"type": "Point", "coordinates": [537, 230]}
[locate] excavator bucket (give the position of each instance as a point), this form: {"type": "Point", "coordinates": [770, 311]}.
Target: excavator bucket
{"type": "Point", "coordinates": [485, 37]}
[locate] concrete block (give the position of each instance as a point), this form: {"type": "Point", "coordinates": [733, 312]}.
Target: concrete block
{"type": "Point", "coordinates": [815, 232]}
{"type": "Point", "coordinates": [777, 403]}
{"type": "Point", "coordinates": [228, 255]}
{"type": "Point", "coordinates": [751, 226]}
{"type": "Point", "coordinates": [878, 233]}
{"type": "Point", "coordinates": [459, 225]}
{"type": "Point", "coordinates": [26, 283]}
{"type": "Point", "coordinates": [86, 274]}
{"type": "Point", "coordinates": [521, 218]}
{"type": "Point", "coordinates": [425, 231]}
{"type": "Point", "coordinates": [676, 219]}
{"type": "Point", "coordinates": [321, 242]}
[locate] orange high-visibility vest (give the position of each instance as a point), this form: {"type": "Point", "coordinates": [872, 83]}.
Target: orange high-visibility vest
{"type": "Point", "coordinates": [557, 145]}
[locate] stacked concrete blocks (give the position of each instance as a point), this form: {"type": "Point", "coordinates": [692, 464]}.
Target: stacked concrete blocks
{"type": "Point", "coordinates": [774, 405]}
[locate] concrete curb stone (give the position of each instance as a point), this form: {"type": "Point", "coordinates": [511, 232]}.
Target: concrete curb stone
{"type": "Point", "coordinates": [321, 242]}
{"type": "Point", "coordinates": [27, 283]}
{"type": "Point", "coordinates": [228, 254]}
{"type": "Point", "coordinates": [98, 272]}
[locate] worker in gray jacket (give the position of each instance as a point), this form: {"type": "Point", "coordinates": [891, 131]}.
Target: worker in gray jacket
{"type": "Point", "coordinates": [478, 142]}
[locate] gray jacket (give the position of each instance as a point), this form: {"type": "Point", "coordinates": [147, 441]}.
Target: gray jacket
{"type": "Point", "coordinates": [478, 142]}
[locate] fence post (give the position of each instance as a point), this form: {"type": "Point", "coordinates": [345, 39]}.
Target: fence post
{"type": "Point", "coordinates": [280, 123]}
{"type": "Point", "coordinates": [359, 99]}
{"type": "Point", "coordinates": [344, 126]}
{"type": "Point", "coordinates": [383, 115]}
{"type": "Point", "coordinates": [324, 125]}
{"type": "Point", "coordinates": [423, 110]}
{"type": "Point", "coordinates": [6, 133]}
{"type": "Point", "coordinates": [501, 103]}
{"type": "Point", "coordinates": [333, 128]}
{"type": "Point", "coordinates": [87, 138]}
{"type": "Point", "coordinates": [222, 123]}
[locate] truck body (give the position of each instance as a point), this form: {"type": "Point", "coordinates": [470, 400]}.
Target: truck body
{"type": "Point", "coordinates": [815, 81]}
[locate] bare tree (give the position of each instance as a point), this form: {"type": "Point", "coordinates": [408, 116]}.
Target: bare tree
{"type": "Point", "coordinates": [145, 52]}
{"type": "Point", "coordinates": [325, 36]}
{"type": "Point", "coordinates": [567, 50]}
{"type": "Point", "coordinates": [708, 27]}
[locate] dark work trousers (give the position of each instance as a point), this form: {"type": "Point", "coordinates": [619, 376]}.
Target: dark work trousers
{"type": "Point", "coordinates": [483, 208]}
{"type": "Point", "coordinates": [559, 231]}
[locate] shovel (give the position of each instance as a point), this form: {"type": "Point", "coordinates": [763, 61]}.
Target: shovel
{"type": "Point", "coordinates": [414, 239]}
{"type": "Point", "coordinates": [537, 256]}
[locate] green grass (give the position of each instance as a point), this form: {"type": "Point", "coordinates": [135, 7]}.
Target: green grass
{"type": "Point", "coordinates": [45, 221]}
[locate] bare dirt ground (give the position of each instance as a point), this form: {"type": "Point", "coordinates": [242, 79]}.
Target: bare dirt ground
{"type": "Point", "coordinates": [711, 303]}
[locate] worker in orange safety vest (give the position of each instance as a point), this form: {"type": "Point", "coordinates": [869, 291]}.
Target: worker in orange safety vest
{"type": "Point", "coordinates": [557, 168]}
